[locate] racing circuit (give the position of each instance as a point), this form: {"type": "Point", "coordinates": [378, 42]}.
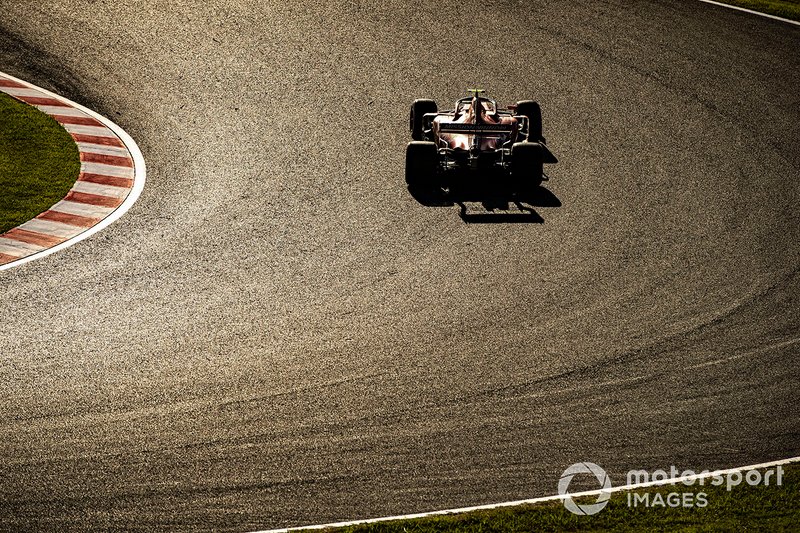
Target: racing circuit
{"type": "Point", "coordinates": [277, 333]}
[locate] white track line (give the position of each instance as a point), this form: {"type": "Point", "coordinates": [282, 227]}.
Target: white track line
{"type": "Point", "coordinates": [633, 486]}
{"type": "Point", "coordinates": [139, 177]}
{"type": "Point", "coordinates": [737, 8]}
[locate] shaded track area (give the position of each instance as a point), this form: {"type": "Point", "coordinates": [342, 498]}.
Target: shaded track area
{"type": "Point", "coordinates": [277, 333]}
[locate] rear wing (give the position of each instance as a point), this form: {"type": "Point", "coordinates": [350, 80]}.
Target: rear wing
{"type": "Point", "coordinates": [475, 129]}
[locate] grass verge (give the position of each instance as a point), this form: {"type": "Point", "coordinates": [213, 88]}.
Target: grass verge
{"type": "Point", "coordinates": [39, 162]}
{"type": "Point", "coordinates": [788, 9]}
{"type": "Point", "coordinates": [744, 508]}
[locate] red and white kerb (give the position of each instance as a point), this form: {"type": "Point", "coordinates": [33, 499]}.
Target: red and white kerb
{"type": "Point", "coordinates": [106, 178]}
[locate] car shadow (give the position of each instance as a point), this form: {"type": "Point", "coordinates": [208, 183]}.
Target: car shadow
{"type": "Point", "coordinates": [490, 201]}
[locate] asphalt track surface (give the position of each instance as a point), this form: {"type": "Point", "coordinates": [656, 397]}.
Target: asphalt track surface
{"type": "Point", "coordinates": [278, 334]}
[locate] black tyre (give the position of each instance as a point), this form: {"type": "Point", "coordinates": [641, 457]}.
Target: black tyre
{"type": "Point", "coordinates": [526, 165]}
{"type": "Point", "coordinates": [422, 160]}
{"type": "Point", "coordinates": [418, 110]}
{"type": "Point", "coordinates": [531, 109]}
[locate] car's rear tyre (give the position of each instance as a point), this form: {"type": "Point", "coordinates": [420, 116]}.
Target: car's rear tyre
{"type": "Point", "coordinates": [526, 165]}
{"type": "Point", "coordinates": [418, 110]}
{"type": "Point", "coordinates": [531, 109]}
{"type": "Point", "coordinates": [422, 161]}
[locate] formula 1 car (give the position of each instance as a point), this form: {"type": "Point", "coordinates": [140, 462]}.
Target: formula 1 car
{"type": "Point", "coordinates": [476, 134]}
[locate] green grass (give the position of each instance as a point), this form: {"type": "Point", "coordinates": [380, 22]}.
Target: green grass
{"type": "Point", "coordinates": [744, 508]}
{"type": "Point", "coordinates": [39, 162]}
{"type": "Point", "coordinates": [789, 9]}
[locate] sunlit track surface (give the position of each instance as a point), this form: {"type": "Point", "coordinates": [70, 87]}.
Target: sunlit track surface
{"type": "Point", "coordinates": [278, 334]}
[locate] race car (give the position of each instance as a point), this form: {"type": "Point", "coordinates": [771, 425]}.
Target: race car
{"type": "Point", "coordinates": [476, 134]}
